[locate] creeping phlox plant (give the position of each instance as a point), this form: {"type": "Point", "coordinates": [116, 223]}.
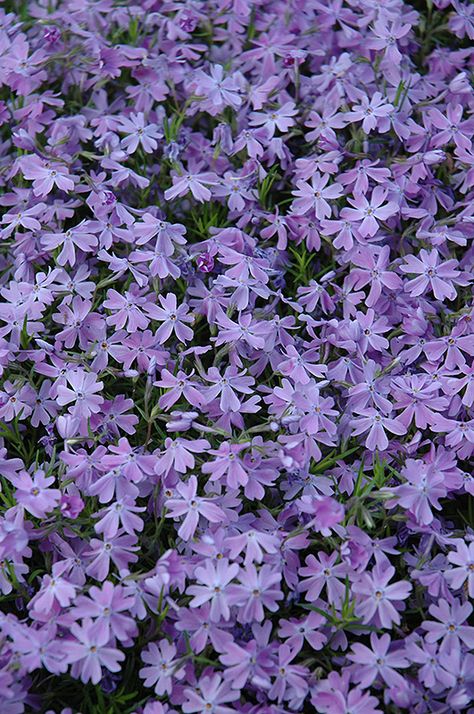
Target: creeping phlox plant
{"type": "Point", "coordinates": [236, 356]}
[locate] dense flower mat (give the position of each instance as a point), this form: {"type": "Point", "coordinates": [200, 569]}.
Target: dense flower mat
{"type": "Point", "coordinates": [236, 355]}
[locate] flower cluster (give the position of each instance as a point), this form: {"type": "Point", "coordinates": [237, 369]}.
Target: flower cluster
{"type": "Point", "coordinates": [236, 356]}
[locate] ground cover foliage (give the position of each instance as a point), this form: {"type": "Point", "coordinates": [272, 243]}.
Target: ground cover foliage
{"type": "Point", "coordinates": [236, 356]}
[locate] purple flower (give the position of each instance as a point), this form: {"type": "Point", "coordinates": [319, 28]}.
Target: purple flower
{"type": "Point", "coordinates": [34, 492]}
{"type": "Point", "coordinates": [378, 662]}
{"type": "Point", "coordinates": [235, 316]}
{"type": "Point", "coordinates": [296, 632]}
{"type": "Point", "coordinates": [138, 134]}
{"type": "Point", "coordinates": [450, 628]}
{"type": "Point", "coordinates": [173, 318]}
{"type": "Point", "coordinates": [376, 423]}
{"type": "Point", "coordinates": [371, 112]}
{"type": "Point", "coordinates": [212, 694]}
{"type": "Point", "coordinates": [463, 572]}
{"type": "Point", "coordinates": [179, 385]}
{"type": "Point", "coordinates": [249, 662]}
{"type": "Point", "coordinates": [127, 309]}
{"type": "Point", "coordinates": [386, 34]}
{"type": "Point", "coordinates": [188, 503]}
{"type": "Point", "coordinates": [424, 487]}
{"type": "Point", "coordinates": [377, 601]}
{"type": "Point", "coordinates": [315, 197]}
{"type": "Point", "coordinates": [334, 696]}
{"type": "Point", "coordinates": [218, 91]}
{"type": "Point", "coordinates": [369, 211]}
{"type": "Point", "coordinates": [45, 175]}
{"type": "Point", "coordinates": [258, 589]}
{"type": "Point", "coordinates": [195, 183]}
{"type": "Point", "coordinates": [322, 572]}
{"type": "Point", "coordinates": [89, 651]}
{"type": "Point", "coordinates": [178, 455]}
{"type": "Point", "coordinates": [288, 676]}
{"type": "Point", "coordinates": [451, 126]}
{"type": "Point", "coordinates": [432, 274]}
{"type": "Point", "coordinates": [418, 397]}
{"type": "Point", "coordinates": [281, 118]}
{"type": "Point", "coordinates": [82, 390]}
{"type": "Point", "coordinates": [162, 667]}
{"type": "Point", "coordinates": [55, 591]}
{"type": "Point", "coordinates": [227, 385]}
{"type": "Point", "coordinates": [24, 218]}
{"type": "Point", "coordinates": [372, 270]}
{"type": "Point", "coordinates": [119, 550]}
{"type": "Point", "coordinates": [214, 587]}
{"type": "Point", "coordinates": [70, 240]}
{"type": "Point", "coordinates": [227, 463]}
{"type": "Point", "coordinates": [205, 263]}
